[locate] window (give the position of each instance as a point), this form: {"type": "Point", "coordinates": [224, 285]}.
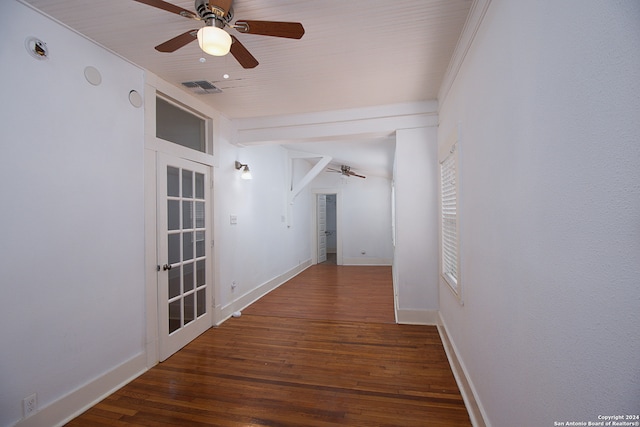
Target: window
{"type": "Point", "coordinates": [449, 250]}
{"type": "Point", "coordinates": [177, 125]}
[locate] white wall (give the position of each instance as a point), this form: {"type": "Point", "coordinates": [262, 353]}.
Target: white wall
{"type": "Point", "coordinates": [260, 247]}
{"type": "Point", "coordinates": [548, 101]}
{"type": "Point", "coordinates": [416, 277]}
{"type": "Point", "coordinates": [365, 217]}
{"type": "Point", "coordinates": [416, 224]}
{"type": "Point", "coordinates": [72, 248]}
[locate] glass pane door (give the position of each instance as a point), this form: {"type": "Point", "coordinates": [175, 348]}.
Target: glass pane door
{"type": "Point", "coordinates": [184, 284]}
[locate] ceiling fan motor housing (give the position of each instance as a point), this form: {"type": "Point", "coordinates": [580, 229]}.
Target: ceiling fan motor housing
{"type": "Point", "coordinates": [213, 14]}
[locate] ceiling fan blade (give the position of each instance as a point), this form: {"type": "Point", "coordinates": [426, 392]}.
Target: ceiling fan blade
{"type": "Point", "coordinates": [169, 8]}
{"type": "Point", "coordinates": [177, 42]}
{"type": "Point", "coordinates": [242, 55]}
{"type": "Point", "coordinates": [290, 30]}
{"type": "Point", "coordinates": [355, 174]}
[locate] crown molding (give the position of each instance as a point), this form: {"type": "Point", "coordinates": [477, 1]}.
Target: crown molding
{"type": "Point", "coordinates": [469, 31]}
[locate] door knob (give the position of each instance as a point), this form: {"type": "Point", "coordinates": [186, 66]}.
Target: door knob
{"type": "Point", "coordinates": [166, 267]}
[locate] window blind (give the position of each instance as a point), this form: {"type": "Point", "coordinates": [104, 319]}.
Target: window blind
{"type": "Point", "coordinates": [449, 208]}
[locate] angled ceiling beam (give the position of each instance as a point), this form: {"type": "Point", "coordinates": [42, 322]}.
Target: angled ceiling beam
{"type": "Point", "coordinates": [295, 188]}
{"type": "Point", "coordinates": [306, 180]}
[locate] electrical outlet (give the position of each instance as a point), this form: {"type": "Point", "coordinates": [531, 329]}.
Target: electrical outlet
{"type": "Point", "coordinates": [29, 405]}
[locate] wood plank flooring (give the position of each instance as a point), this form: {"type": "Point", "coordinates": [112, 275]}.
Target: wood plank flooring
{"type": "Point", "coordinates": [330, 292]}
{"type": "Point", "coordinates": [321, 350]}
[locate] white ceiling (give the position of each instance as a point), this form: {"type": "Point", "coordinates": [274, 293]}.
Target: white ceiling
{"type": "Point", "coordinates": [354, 53]}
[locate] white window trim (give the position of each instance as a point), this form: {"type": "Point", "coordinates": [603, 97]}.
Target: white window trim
{"type": "Point", "coordinates": [450, 151]}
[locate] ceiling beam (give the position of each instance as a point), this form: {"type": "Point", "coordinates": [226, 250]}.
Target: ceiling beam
{"type": "Point", "coordinates": [293, 189]}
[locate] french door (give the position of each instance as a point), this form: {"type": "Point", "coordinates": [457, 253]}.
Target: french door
{"type": "Point", "coordinates": [184, 254]}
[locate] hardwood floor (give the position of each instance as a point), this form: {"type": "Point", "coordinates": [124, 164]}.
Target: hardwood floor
{"type": "Point", "coordinates": [330, 292]}
{"type": "Point", "coordinates": [321, 350]}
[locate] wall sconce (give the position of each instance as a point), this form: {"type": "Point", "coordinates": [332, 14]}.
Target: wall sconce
{"type": "Point", "coordinates": [246, 173]}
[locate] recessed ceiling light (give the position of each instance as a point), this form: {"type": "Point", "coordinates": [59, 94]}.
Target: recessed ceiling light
{"type": "Point", "coordinates": [203, 60]}
{"type": "Point", "coordinates": [226, 76]}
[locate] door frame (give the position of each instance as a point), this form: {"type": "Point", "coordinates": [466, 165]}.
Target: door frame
{"type": "Point", "coordinates": [314, 223]}
{"type": "Point", "coordinates": [152, 146]}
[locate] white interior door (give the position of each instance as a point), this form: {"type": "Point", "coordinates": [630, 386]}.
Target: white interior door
{"type": "Point", "coordinates": [322, 227]}
{"type": "Point", "coordinates": [184, 255]}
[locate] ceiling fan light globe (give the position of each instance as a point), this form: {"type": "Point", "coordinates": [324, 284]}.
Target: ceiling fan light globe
{"type": "Point", "coordinates": [214, 41]}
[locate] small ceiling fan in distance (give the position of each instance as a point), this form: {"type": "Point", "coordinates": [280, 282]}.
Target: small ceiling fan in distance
{"type": "Point", "coordinates": [346, 171]}
{"type": "Point", "coordinates": [212, 37]}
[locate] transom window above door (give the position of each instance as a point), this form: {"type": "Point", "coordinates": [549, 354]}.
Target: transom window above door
{"type": "Point", "coordinates": [179, 125]}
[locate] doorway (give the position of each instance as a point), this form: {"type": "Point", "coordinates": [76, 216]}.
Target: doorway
{"type": "Point", "coordinates": [327, 241]}
{"type": "Point", "coordinates": [331, 229]}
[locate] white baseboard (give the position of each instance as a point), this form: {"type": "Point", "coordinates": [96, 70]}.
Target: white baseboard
{"type": "Point", "coordinates": [417, 317]}
{"type": "Point", "coordinates": [467, 390]}
{"type": "Point", "coordinates": [73, 404]}
{"type": "Point", "coordinates": [223, 313]}
{"type": "Point", "coordinates": [367, 261]}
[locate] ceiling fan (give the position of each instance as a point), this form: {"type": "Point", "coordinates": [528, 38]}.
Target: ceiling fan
{"type": "Point", "coordinates": [213, 39]}
{"type": "Point", "coordinates": [346, 171]}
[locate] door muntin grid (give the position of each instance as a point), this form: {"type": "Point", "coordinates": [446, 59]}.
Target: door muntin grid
{"type": "Point", "coordinates": [186, 247]}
